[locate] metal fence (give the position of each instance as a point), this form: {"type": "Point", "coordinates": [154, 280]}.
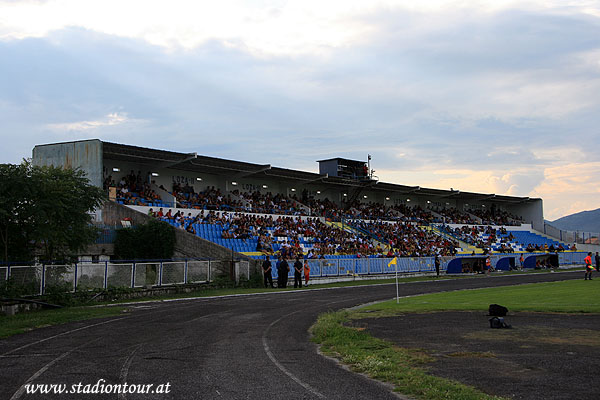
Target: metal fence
{"type": "Point", "coordinates": [374, 266]}
{"type": "Point", "coordinates": [36, 279]}
{"type": "Point", "coordinates": [572, 258]}
{"type": "Point", "coordinates": [362, 266]}
{"type": "Point", "coordinates": [579, 237]}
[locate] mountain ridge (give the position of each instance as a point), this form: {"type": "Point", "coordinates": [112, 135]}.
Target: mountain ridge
{"type": "Point", "coordinates": [587, 221]}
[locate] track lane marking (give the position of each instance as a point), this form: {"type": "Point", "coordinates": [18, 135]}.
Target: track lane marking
{"type": "Point", "coordinates": [61, 334]}
{"type": "Point", "coordinates": [125, 370]}
{"type": "Point", "coordinates": [280, 366]}
{"type": "Point", "coordinates": [45, 368]}
{"type": "Point", "coordinates": [4, 355]}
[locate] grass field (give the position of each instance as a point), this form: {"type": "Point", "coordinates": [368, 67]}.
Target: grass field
{"type": "Point", "coordinates": [23, 322]}
{"type": "Point", "coordinates": [405, 368]}
{"type": "Point", "coordinates": [567, 296]}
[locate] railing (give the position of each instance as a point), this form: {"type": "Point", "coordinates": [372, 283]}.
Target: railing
{"type": "Point", "coordinates": [579, 237]}
{"type": "Point", "coordinates": [570, 258]}
{"type": "Point", "coordinates": [35, 279]}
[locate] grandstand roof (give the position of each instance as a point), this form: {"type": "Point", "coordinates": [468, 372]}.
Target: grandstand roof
{"type": "Point", "coordinates": [343, 159]}
{"type": "Point", "coordinates": [238, 169]}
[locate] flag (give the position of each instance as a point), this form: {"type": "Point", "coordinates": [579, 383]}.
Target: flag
{"type": "Point", "coordinates": [393, 262]}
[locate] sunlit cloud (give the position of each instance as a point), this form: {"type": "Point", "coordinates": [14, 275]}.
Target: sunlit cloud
{"type": "Point", "coordinates": [82, 126]}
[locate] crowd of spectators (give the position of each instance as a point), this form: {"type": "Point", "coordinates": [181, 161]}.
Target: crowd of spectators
{"type": "Point", "coordinates": [133, 189]}
{"type": "Point", "coordinates": [496, 217]}
{"type": "Point", "coordinates": [537, 247]}
{"type": "Point", "coordinates": [292, 234]}
{"type": "Point", "coordinates": [408, 240]}
{"type": "Point", "coordinates": [209, 199]}
{"type": "Point", "coordinates": [454, 216]}
{"type": "Point", "coordinates": [398, 227]}
{"type": "Point", "coordinates": [485, 237]}
{"type": "Point", "coordinates": [268, 203]}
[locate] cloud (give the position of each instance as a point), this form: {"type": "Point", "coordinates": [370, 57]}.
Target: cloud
{"type": "Point", "coordinates": [484, 98]}
{"type": "Point", "coordinates": [81, 126]}
{"type": "Point", "coordinates": [570, 188]}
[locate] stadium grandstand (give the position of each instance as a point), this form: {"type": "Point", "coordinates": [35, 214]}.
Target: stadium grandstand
{"type": "Point", "coordinates": [342, 211]}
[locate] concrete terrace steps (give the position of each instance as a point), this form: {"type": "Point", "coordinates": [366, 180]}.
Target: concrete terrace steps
{"type": "Point", "coordinates": [348, 228]}
{"type": "Point", "coordinates": [549, 237]}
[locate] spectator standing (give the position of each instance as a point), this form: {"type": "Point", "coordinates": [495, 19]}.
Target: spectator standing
{"type": "Point", "coordinates": [588, 266]}
{"type": "Point", "coordinates": [306, 272]}
{"type": "Point", "coordinates": [266, 266]}
{"type": "Point", "coordinates": [297, 273]}
{"type": "Point", "coordinates": [521, 261]}
{"type": "Point", "coordinates": [282, 272]}
{"type": "Point", "coordinates": [437, 265]}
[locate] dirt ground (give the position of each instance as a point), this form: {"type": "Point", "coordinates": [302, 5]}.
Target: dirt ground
{"type": "Point", "coordinates": [544, 356]}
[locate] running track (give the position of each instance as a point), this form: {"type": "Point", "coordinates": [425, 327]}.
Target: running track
{"type": "Point", "coordinates": [242, 347]}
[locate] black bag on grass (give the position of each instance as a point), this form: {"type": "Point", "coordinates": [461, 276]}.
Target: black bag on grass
{"type": "Point", "coordinates": [496, 310]}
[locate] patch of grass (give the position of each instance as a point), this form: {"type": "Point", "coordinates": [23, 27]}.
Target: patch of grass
{"type": "Point", "coordinates": [405, 369]}
{"type": "Point", "coordinates": [27, 321]}
{"type": "Point", "coordinates": [573, 296]}
{"type": "Point", "coordinates": [381, 360]}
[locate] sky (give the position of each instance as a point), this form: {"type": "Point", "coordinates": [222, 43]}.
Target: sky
{"type": "Point", "coordinates": [488, 96]}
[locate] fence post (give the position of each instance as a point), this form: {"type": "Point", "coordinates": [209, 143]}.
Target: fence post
{"type": "Point", "coordinates": [105, 274]}
{"type": "Point", "coordinates": [368, 266]}
{"type": "Point", "coordinates": [208, 276]}
{"type": "Point", "coordinates": [8, 272]}
{"type": "Point", "coordinates": [43, 280]}
{"type": "Point", "coordinates": [185, 271]}
{"type": "Point", "coordinates": [133, 275]}
{"type": "Point", "coordinates": [160, 274]}
{"type": "Point", "coordinates": [337, 263]}
{"type": "Point", "coordinates": [75, 279]}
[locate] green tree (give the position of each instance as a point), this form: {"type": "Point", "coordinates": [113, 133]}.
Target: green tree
{"type": "Point", "coordinates": [46, 210]}
{"type": "Point", "coordinates": [15, 207]}
{"type": "Point", "coordinates": [153, 240]}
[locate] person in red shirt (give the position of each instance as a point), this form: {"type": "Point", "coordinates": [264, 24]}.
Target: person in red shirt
{"type": "Point", "coordinates": [306, 272]}
{"type": "Point", "coordinates": [588, 266]}
{"type": "Point", "coordinates": [488, 265]}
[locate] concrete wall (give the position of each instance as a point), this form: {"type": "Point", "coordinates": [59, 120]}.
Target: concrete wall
{"type": "Point", "coordinates": [85, 154]}
{"type": "Point", "coordinates": [186, 245]}
{"type": "Point", "coordinates": [532, 213]}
